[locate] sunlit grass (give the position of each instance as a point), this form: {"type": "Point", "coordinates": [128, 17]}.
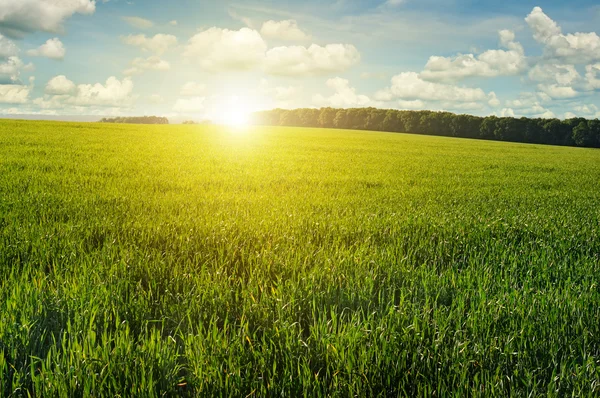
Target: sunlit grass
{"type": "Point", "coordinates": [165, 260]}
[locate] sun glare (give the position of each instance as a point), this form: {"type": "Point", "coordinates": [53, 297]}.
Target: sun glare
{"type": "Point", "coordinates": [236, 113]}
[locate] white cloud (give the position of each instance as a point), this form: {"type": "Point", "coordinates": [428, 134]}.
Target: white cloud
{"type": "Point", "coordinates": [314, 60]}
{"type": "Point", "coordinates": [557, 92]}
{"type": "Point", "coordinates": [537, 111]}
{"type": "Point", "coordinates": [60, 85]}
{"type": "Point", "coordinates": [591, 72]}
{"type": "Point", "coordinates": [50, 102]}
{"type": "Point", "coordinates": [587, 109]}
{"type": "Point", "coordinates": [410, 86]}
{"type": "Point", "coordinates": [192, 89]}
{"type": "Point", "coordinates": [576, 48]}
{"type": "Point", "coordinates": [543, 97]}
{"type": "Point", "coordinates": [53, 48]}
{"type": "Point", "coordinates": [7, 47]}
{"type": "Point", "coordinates": [139, 23]}
{"type": "Point", "coordinates": [189, 105]}
{"type": "Point", "coordinates": [217, 49]}
{"type": "Point", "coordinates": [114, 93]}
{"type": "Point", "coordinates": [493, 99]}
{"type": "Point", "coordinates": [140, 65]}
{"type": "Point", "coordinates": [507, 112]}
{"type": "Point", "coordinates": [18, 17]}
{"type": "Point", "coordinates": [283, 30]}
{"type": "Point", "coordinates": [173, 23]}
{"type": "Point", "coordinates": [14, 93]}
{"type": "Point", "coordinates": [548, 114]}
{"type": "Point", "coordinates": [462, 106]}
{"type": "Point", "coordinates": [490, 63]}
{"type": "Point", "coordinates": [527, 100]}
{"type": "Point", "coordinates": [528, 104]}
{"type": "Point", "coordinates": [10, 70]}
{"type": "Point", "coordinates": [570, 115]}
{"type": "Point", "coordinates": [563, 75]}
{"type": "Point", "coordinates": [344, 97]}
{"type": "Point", "coordinates": [157, 44]}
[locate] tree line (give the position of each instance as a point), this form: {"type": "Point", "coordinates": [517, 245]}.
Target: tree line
{"type": "Point", "coordinates": [572, 132]}
{"type": "Point", "coordinates": [136, 120]}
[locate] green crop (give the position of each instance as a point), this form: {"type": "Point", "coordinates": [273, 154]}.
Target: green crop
{"type": "Point", "coordinates": [208, 261]}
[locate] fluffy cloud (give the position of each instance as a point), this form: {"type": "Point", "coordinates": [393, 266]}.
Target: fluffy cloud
{"type": "Point", "coordinates": [189, 105]}
{"type": "Point", "coordinates": [18, 17]}
{"type": "Point", "coordinates": [548, 114]}
{"type": "Point", "coordinates": [493, 100]}
{"type": "Point", "coordinates": [525, 100]}
{"type": "Point", "coordinates": [463, 106]}
{"type": "Point", "coordinates": [577, 47]}
{"type": "Point", "coordinates": [507, 112]}
{"type": "Point", "coordinates": [158, 44]}
{"type": "Point", "coordinates": [314, 60]}
{"type": "Point", "coordinates": [217, 49]}
{"type": "Point", "coordinates": [53, 48]}
{"type": "Point", "coordinates": [192, 89]}
{"type": "Point", "coordinates": [487, 64]}
{"type": "Point", "coordinates": [556, 91]}
{"type": "Point", "coordinates": [283, 30]}
{"type": "Point", "coordinates": [7, 47]}
{"type": "Point", "coordinates": [554, 73]}
{"type": "Point", "coordinates": [60, 85]}
{"type": "Point", "coordinates": [535, 112]}
{"type": "Point", "coordinates": [344, 97]}
{"type": "Point", "coordinates": [10, 70]}
{"type": "Point", "coordinates": [14, 93]}
{"type": "Point", "coordinates": [410, 86]}
{"type": "Point", "coordinates": [114, 92]}
{"type": "Point", "coordinates": [139, 23]}
{"type": "Point", "coordinates": [61, 93]}
{"type": "Point", "coordinates": [556, 81]}
{"type": "Point", "coordinates": [140, 65]}
{"type": "Point", "coordinates": [528, 104]}
{"type": "Point", "coordinates": [591, 72]}
{"type": "Point", "coordinates": [587, 109]}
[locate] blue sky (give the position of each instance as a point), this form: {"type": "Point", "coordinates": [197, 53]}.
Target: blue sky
{"type": "Point", "coordinates": [211, 59]}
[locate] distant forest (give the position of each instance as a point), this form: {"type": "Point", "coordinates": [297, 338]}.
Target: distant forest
{"type": "Point", "coordinates": [573, 132]}
{"type": "Point", "coordinates": [136, 120]}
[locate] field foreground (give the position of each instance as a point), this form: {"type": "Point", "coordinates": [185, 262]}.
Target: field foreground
{"type": "Point", "coordinates": [191, 260]}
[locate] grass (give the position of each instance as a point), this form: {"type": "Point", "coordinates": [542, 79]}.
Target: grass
{"type": "Point", "coordinates": [206, 261]}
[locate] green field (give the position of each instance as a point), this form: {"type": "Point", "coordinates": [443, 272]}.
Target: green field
{"type": "Point", "coordinates": [209, 261]}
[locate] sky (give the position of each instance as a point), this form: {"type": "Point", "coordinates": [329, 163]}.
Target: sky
{"type": "Point", "coordinates": [221, 60]}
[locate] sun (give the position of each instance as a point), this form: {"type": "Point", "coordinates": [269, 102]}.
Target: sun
{"type": "Point", "coordinates": [235, 113]}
